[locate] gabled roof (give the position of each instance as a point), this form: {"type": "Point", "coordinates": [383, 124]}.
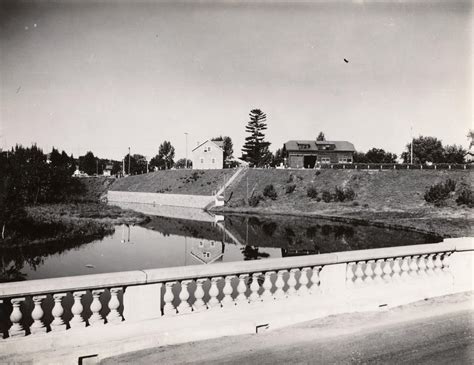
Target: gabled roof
{"type": "Point", "coordinates": [219, 144]}
{"type": "Point", "coordinates": [313, 145]}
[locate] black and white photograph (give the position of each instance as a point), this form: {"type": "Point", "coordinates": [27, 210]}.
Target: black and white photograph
{"type": "Point", "coordinates": [236, 182]}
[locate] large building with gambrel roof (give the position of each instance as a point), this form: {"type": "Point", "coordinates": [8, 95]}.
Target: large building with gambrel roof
{"type": "Point", "coordinates": [309, 153]}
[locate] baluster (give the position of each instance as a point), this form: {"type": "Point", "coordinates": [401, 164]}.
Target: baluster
{"type": "Point", "coordinates": [359, 273]}
{"type": "Point", "coordinates": [422, 267]}
{"type": "Point", "coordinates": [168, 308]}
{"type": "Point", "coordinates": [214, 292]}
{"type": "Point", "coordinates": [429, 265]}
{"type": "Point", "coordinates": [279, 283]}
{"type": "Point", "coordinates": [292, 282]}
{"type": "Point", "coordinates": [387, 270]}
{"type": "Point", "coordinates": [445, 262]}
{"type": "Point", "coordinates": [114, 304]}
{"type": "Point", "coordinates": [350, 274]}
{"type": "Point", "coordinates": [303, 289]}
{"type": "Point", "coordinates": [199, 304]}
{"type": "Point", "coordinates": [315, 280]}
{"type": "Point", "coordinates": [57, 312]}
{"type": "Point", "coordinates": [438, 264]}
{"type": "Point", "coordinates": [378, 271]}
{"type": "Point", "coordinates": [184, 306]}
{"type": "Point", "coordinates": [242, 289]}
{"type": "Point", "coordinates": [96, 319]}
{"type": "Point", "coordinates": [37, 314]}
{"type": "Point", "coordinates": [405, 268]}
{"type": "Point", "coordinates": [267, 286]}
{"type": "Point", "coordinates": [414, 267]}
{"type": "Point", "coordinates": [227, 301]}
{"type": "Point", "coordinates": [396, 269]}
{"type": "Point", "coordinates": [368, 272]}
{"type": "Point", "coordinates": [77, 308]}
{"type": "Point", "coordinates": [15, 317]}
{"type": "Point", "coordinates": [254, 288]}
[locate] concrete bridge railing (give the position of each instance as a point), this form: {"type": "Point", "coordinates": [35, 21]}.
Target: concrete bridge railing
{"type": "Point", "coordinates": [105, 314]}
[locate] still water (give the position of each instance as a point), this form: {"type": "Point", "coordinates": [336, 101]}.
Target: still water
{"type": "Point", "coordinates": [167, 242]}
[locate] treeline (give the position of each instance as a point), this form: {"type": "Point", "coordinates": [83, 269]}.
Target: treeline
{"type": "Point", "coordinates": [29, 177]}
{"type": "Point", "coordinates": [425, 149]}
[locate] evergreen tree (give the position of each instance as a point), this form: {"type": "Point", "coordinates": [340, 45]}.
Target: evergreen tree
{"type": "Point", "coordinates": [255, 150]}
{"type": "Point", "coordinates": [321, 137]}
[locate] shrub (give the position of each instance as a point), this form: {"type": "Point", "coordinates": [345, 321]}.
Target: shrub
{"type": "Point", "coordinates": [290, 188]}
{"type": "Point", "coordinates": [327, 196]}
{"type": "Point", "coordinates": [437, 193]}
{"type": "Point", "coordinates": [311, 192]}
{"type": "Point", "coordinates": [450, 185]}
{"type": "Point", "coordinates": [254, 200]}
{"type": "Point", "coordinates": [270, 192]}
{"type": "Point", "coordinates": [349, 194]}
{"type": "Point", "coordinates": [466, 197]}
{"type": "Point", "coordinates": [341, 194]}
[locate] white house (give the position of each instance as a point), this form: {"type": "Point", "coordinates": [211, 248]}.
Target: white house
{"type": "Point", "coordinates": [208, 155]}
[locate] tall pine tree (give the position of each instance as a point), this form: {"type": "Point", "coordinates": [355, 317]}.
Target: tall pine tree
{"type": "Point", "coordinates": [255, 150]}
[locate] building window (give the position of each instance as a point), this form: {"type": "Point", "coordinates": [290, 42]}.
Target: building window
{"type": "Point", "coordinates": [202, 160]}
{"type": "Point", "coordinates": [325, 160]}
{"type": "Point", "coordinates": [209, 148]}
{"type": "Point", "coordinates": [213, 160]}
{"type": "Point", "coordinates": [304, 146]}
{"type": "Point", "coordinates": [213, 244]}
{"type": "Point", "coordinates": [207, 254]}
{"type": "Point", "coordinates": [201, 244]}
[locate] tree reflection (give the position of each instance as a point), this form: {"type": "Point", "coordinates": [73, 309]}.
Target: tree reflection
{"type": "Point", "coordinates": [252, 253]}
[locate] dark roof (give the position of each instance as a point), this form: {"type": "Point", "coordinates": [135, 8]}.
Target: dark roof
{"type": "Point", "coordinates": [313, 145]}
{"type": "Point", "coordinates": [219, 144]}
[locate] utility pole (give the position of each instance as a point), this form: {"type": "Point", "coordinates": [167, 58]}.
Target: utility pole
{"type": "Point", "coordinates": [129, 160]}
{"type": "Point", "coordinates": [186, 164]}
{"type": "Point", "coordinates": [411, 146]}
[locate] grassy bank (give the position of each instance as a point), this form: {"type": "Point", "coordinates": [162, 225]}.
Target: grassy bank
{"type": "Point", "coordinates": [70, 224]}
{"type": "Point", "coordinates": [195, 182]}
{"type": "Point", "coordinates": [385, 198]}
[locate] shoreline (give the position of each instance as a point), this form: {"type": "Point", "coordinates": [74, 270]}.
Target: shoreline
{"type": "Point", "coordinates": [74, 223]}
{"type": "Point", "coordinates": [381, 221]}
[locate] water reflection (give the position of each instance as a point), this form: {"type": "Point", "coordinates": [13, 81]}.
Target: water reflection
{"type": "Point", "coordinates": [167, 242]}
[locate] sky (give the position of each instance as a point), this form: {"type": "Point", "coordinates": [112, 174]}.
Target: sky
{"type": "Point", "coordinates": [108, 75]}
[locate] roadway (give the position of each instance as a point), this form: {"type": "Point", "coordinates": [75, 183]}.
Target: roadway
{"type": "Point", "coordinates": [436, 331]}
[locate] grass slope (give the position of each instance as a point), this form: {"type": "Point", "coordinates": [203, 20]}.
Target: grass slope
{"type": "Point", "coordinates": [392, 198]}
{"type": "Point", "coordinates": [193, 182]}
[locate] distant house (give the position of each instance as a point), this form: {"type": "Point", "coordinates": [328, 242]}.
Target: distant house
{"type": "Point", "coordinates": [108, 170]}
{"type": "Point", "coordinates": [207, 252]}
{"type": "Point", "coordinates": [309, 153]}
{"type": "Point", "coordinates": [208, 155]}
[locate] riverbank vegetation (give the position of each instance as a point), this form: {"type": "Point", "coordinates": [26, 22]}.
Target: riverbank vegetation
{"type": "Point", "coordinates": [38, 201]}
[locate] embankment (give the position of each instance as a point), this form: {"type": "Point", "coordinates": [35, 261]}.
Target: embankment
{"type": "Point", "coordinates": [391, 198]}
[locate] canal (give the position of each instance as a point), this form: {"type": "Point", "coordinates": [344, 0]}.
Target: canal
{"type": "Point", "coordinates": [167, 242]}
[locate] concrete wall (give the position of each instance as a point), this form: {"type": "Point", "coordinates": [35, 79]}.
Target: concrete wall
{"type": "Point", "coordinates": [178, 200]}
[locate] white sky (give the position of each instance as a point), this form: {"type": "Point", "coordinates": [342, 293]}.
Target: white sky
{"type": "Point", "coordinates": [103, 76]}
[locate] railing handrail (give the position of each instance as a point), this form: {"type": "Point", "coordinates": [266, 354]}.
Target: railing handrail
{"type": "Point", "coordinates": [149, 276]}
